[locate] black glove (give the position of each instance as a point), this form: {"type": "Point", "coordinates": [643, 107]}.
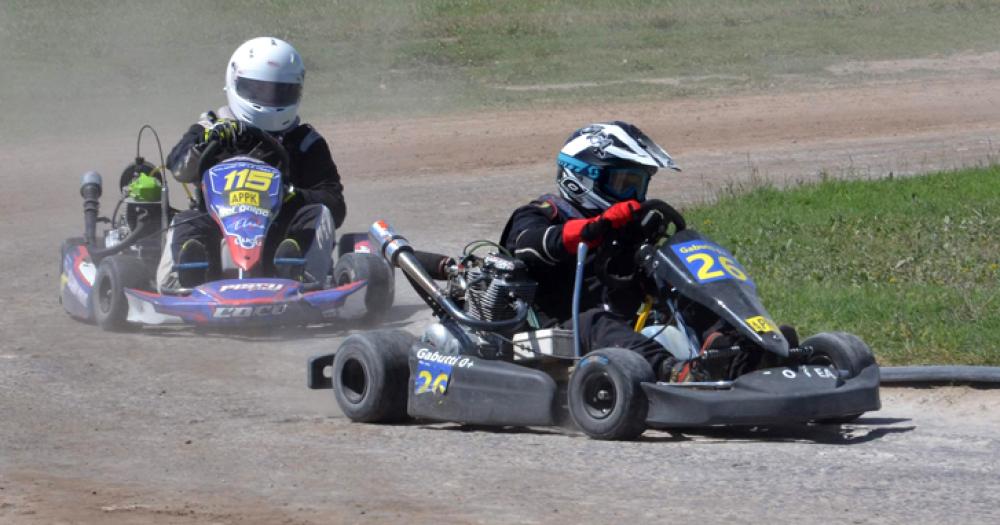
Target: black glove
{"type": "Point", "coordinates": [227, 131]}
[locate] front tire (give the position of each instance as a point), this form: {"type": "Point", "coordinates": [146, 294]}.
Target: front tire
{"type": "Point", "coordinates": [114, 275]}
{"type": "Point", "coordinates": [845, 353]}
{"type": "Point", "coordinates": [842, 351]}
{"type": "Point", "coordinates": [371, 374]}
{"type": "Point", "coordinates": [606, 399]}
{"type": "Point", "coordinates": [380, 291]}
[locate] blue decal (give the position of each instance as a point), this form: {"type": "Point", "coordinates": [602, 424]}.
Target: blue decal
{"type": "Point", "coordinates": [431, 377]}
{"type": "Point", "coordinates": [578, 166]}
{"type": "Point", "coordinates": [245, 196]}
{"type": "Point", "coordinates": [708, 262]}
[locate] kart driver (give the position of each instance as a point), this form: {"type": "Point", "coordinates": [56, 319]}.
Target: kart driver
{"type": "Point", "coordinates": [603, 173]}
{"type": "Point", "coordinates": [264, 81]}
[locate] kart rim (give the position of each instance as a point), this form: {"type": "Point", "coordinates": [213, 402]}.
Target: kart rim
{"type": "Point", "coordinates": [599, 395]}
{"type": "Point", "coordinates": [823, 360]}
{"type": "Point", "coordinates": [344, 278]}
{"type": "Point", "coordinates": [105, 294]}
{"type": "Point", "coordinates": [353, 381]}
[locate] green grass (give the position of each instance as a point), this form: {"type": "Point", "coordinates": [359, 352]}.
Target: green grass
{"type": "Point", "coordinates": [911, 265]}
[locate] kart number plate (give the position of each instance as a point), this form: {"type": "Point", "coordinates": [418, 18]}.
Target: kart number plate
{"type": "Point", "coordinates": [708, 262]}
{"type": "Point", "coordinates": [432, 377]}
{"type": "Point", "coordinates": [761, 324]}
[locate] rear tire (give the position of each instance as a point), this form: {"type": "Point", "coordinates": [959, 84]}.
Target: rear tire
{"type": "Point", "coordinates": [107, 297]}
{"type": "Point", "coordinates": [347, 242]}
{"type": "Point", "coordinates": [371, 376]}
{"type": "Point", "coordinates": [605, 397]}
{"type": "Point", "coordinates": [842, 352]}
{"type": "Point", "coordinates": [380, 291]}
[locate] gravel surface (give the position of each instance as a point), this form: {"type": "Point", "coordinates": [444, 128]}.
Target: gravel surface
{"type": "Point", "coordinates": [172, 426]}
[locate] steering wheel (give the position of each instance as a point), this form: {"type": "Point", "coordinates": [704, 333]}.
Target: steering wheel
{"type": "Point", "coordinates": [615, 262]}
{"type": "Point", "coordinates": [269, 144]}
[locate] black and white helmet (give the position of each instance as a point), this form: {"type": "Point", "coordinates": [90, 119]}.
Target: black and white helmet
{"type": "Point", "coordinates": [608, 162]}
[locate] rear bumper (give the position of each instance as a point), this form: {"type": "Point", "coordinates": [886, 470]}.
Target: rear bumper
{"type": "Point", "coordinates": [258, 302]}
{"type": "Point", "coordinates": [316, 379]}
{"type": "Point", "coordinates": [772, 396]}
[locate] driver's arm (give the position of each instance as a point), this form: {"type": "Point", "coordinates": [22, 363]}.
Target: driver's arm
{"type": "Point", "coordinates": [538, 235]}
{"type": "Point", "coordinates": [535, 235]}
{"type": "Point", "coordinates": [183, 159]}
{"type": "Point", "coordinates": [315, 175]}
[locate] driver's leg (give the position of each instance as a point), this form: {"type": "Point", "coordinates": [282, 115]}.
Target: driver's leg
{"type": "Point", "coordinates": [313, 228]}
{"type": "Point", "coordinates": [193, 235]}
{"type": "Point", "coordinates": [310, 230]}
{"type": "Point", "coordinates": [602, 329]}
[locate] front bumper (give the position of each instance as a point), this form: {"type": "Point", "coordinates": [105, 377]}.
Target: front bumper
{"type": "Point", "coordinates": [771, 396]}
{"type": "Point", "coordinates": [248, 302]}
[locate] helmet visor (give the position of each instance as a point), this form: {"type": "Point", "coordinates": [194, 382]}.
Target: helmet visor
{"type": "Point", "coordinates": [626, 183]}
{"type": "Point", "coordinates": [265, 93]}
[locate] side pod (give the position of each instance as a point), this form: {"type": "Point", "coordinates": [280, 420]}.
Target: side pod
{"type": "Point", "coordinates": [471, 390]}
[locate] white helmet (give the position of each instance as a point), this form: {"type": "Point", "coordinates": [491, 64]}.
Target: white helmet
{"type": "Point", "coordinates": [264, 83]}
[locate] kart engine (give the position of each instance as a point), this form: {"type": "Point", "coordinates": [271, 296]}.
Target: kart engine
{"type": "Point", "coordinates": [486, 287]}
{"type": "Point", "coordinates": [487, 299]}
{"type": "Point", "coordinates": [139, 210]}
{"type": "Point", "coordinates": [492, 286]}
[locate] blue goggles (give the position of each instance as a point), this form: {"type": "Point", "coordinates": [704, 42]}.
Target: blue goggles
{"type": "Point", "coordinates": [625, 183]}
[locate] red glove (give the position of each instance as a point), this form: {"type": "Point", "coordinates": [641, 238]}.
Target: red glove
{"type": "Point", "coordinates": [593, 229]}
{"type": "Point", "coordinates": [621, 213]}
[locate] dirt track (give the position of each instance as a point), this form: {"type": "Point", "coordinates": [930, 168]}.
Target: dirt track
{"type": "Point", "coordinates": [173, 427]}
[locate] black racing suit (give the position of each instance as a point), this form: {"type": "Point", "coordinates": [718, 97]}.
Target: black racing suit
{"type": "Point", "coordinates": [313, 174]}
{"type": "Point", "coordinates": [534, 235]}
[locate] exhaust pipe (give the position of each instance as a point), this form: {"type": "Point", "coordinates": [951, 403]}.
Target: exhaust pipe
{"type": "Point", "coordinates": [90, 190]}
{"type": "Point", "coordinates": [397, 250]}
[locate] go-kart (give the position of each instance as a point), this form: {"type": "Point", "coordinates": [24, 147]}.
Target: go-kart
{"type": "Point", "coordinates": [485, 362]}
{"type": "Point", "coordinates": [108, 277]}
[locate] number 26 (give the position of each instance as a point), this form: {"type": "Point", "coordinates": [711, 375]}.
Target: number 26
{"type": "Point", "coordinates": [708, 271]}
{"type": "Point", "coordinates": [431, 383]}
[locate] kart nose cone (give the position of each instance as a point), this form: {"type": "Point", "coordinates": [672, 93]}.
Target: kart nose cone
{"type": "Point", "coordinates": [244, 258]}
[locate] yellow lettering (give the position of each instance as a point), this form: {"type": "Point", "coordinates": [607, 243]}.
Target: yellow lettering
{"type": "Point", "coordinates": [705, 271]}
{"type": "Point", "coordinates": [424, 376]}
{"type": "Point", "coordinates": [730, 266]}
{"type": "Point", "coordinates": [440, 383]}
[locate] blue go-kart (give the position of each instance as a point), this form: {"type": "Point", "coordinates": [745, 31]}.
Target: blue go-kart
{"type": "Point", "coordinates": [108, 277]}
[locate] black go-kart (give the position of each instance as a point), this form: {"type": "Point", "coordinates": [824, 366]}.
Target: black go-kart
{"type": "Point", "coordinates": [485, 362]}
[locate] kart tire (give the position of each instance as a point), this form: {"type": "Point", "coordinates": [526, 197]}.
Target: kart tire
{"type": "Point", "coordinates": [371, 376]}
{"type": "Point", "coordinates": [380, 291]}
{"type": "Point", "coordinates": [107, 298]}
{"type": "Point", "coordinates": [844, 352]}
{"type": "Point", "coordinates": [347, 242]}
{"type": "Point", "coordinates": [606, 400]}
